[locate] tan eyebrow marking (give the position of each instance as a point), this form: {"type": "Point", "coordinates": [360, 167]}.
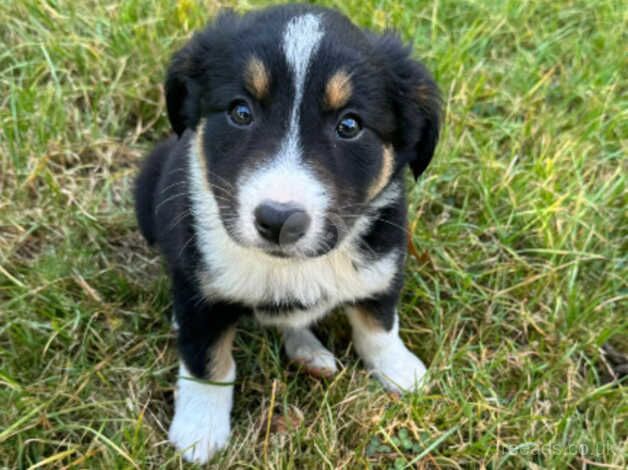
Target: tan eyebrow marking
{"type": "Point", "coordinates": [257, 78]}
{"type": "Point", "coordinates": [338, 90]}
{"type": "Point", "coordinates": [385, 172]}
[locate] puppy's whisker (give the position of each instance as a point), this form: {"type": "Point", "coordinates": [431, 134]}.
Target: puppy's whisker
{"type": "Point", "coordinates": [168, 199]}
{"type": "Point", "coordinates": [219, 187]}
{"type": "Point", "coordinates": [177, 220]}
{"type": "Point", "coordinates": [221, 198]}
{"type": "Point", "coordinates": [380, 219]}
{"type": "Point", "coordinates": [223, 180]}
{"type": "Point", "coordinates": [185, 245]}
{"type": "Point", "coordinates": [178, 183]}
{"type": "Point", "coordinates": [175, 170]}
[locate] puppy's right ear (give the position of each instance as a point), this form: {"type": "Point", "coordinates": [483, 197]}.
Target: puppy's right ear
{"type": "Point", "coordinates": [190, 71]}
{"type": "Point", "coordinates": [182, 91]}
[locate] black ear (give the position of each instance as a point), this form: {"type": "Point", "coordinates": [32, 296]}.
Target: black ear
{"type": "Point", "coordinates": [416, 103]}
{"type": "Point", "coordinates": [182, 94]}
{"type": "Point", "coordinates": [190, 73]}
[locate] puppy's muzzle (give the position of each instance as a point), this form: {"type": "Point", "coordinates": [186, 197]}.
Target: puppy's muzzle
{"type": "Point", "coordinates": [281, 223]}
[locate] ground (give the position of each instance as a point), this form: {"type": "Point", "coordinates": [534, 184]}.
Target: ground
{"type": "Point", "coordinates": [516, 283]}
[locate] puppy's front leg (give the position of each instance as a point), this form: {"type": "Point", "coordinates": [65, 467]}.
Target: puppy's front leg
{"type": "Point", "coordinates": [376, 338]}
{"type": "Point", "coordinates": [204, 392]}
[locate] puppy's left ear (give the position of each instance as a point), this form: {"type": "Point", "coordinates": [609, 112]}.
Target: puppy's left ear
{"type": "Point", "coordinates": [416, 103]}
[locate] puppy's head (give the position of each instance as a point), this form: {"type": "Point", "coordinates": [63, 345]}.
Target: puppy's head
{"type": "Point", "coordinates": [302, 122]}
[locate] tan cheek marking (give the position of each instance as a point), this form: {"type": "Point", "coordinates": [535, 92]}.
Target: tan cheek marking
{"type": "Point", "coordinates": [221, 359]}
{"type": "Point", "coordinates": [257, 78]}
{"type": "Point", "coordinates": [338, 90]}
{"type": "Point", "coordinates": [384, 174]}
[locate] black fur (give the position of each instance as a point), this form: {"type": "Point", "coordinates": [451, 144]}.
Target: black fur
{"type": "Point", "coordinates": [145, 187]}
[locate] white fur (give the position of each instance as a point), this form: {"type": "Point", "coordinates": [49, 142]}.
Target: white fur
{"type": "Point", "coordinates": [301, 40]}
{"type": "Point", "coordinates": [250, 276]}
{"type": "Point", "coordinates": [383, 352]}
{"type": "Point", "coordinates": [303, 347]}
{"type": "Point", "coordinates": [201, 423]}
{"type": "Point", "coordinates": [326, 282]}
{"type": "Point", "coordinates": [286, 178]}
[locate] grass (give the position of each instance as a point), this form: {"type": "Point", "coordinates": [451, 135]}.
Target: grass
{"type": "Point", "coordinates": [520, 226]}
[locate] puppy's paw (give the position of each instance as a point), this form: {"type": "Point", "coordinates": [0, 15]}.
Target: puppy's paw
{"type": "Point", "coordinates": [201, 423]}
{"type": "Point", "coordinates": [398, 369]}
{"type": "Point", "coordinates": [303, 348]}
{"type": "Point", "coordinates": [199, 434]}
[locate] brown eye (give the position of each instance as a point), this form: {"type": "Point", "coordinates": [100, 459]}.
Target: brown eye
{"type": "Point", "coordinates": [240, 114]}
{"type": "Point", "coordinates": [349, 127]}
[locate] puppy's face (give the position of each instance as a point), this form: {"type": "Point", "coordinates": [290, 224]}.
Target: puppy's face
{"type": "Point", "coordinates": [302, 121]}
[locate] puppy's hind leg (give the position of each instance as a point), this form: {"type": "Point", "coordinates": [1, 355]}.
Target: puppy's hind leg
{"type": "Point", "coordinates": [303, 348]}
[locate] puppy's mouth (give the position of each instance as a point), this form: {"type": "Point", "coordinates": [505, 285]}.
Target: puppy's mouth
{"type": "Point", "coordinates": [296, 253]}
{"type": "Point", "coordinates": [278, 253]}
{"type": "Point", "coordinates": [290, 251]}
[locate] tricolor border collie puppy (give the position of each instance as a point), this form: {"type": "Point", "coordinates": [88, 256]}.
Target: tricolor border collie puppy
{"type": "Point", "coordinates": [282, 196]}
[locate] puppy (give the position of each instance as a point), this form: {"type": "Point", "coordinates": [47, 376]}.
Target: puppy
{"type": "Point", "coordinates": [282, 196]}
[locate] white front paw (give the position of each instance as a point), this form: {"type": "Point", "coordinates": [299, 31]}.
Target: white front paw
{"type": "Point", "coordinates": [199, 434]}
{"type": "Point", "coordinates": [201, 423]}
{"type": "Point", "coordinates": [398, 370]}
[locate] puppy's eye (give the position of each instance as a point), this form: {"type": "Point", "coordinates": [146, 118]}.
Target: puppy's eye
{"type": "Point", "coordinates": [240, 114]}
{"type": "Point", "coordinates": [349, 127]}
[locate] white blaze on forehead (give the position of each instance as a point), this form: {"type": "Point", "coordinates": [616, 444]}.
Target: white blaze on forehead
{"type": "Point", "coordinates": [301, 39]}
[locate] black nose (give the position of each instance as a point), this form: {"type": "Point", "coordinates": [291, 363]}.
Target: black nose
{"type": "Point", "coordinates": [281, 223]}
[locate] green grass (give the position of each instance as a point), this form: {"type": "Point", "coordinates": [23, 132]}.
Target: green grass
{"type": "Point", "coordinates": [520, 224]}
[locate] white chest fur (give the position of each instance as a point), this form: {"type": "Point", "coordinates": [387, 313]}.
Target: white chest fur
{"type": "Point", "coordinates": [233, 272]}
